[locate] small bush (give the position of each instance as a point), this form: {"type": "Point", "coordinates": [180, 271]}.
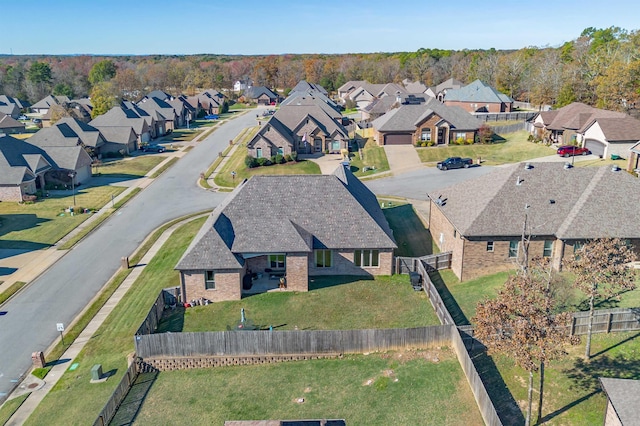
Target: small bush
{"type": "Point", "coordinates": [287, 157]}
{"type": "Point", "coordinates": [431, 143]}
{"type": "Point", "coordinates": [250, 162]}
{"type": "Point", "coordinates": [460, 141]}
{"type": "Point", "coordinates": [469, 141]}
{"type": "Point", "coordinates": [263, 162]}
{"type": "Point", "coordinates": [294, 156]}
{"type": "Point", "coordinates": [280, 159]}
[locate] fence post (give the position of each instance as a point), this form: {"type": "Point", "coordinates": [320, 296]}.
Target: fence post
{"type": "Point", "coordinates": [609, 320]}
{"type": "Point", "coordinates": [573, 326]}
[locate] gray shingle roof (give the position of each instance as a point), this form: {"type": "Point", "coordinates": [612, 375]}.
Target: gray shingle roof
{"type": "Point", "coordinates": [619, 128]}
{"type": "Point", "coordinates": [407, 117]}
{"type": "Point", "coordinates": [624, 395]}
{"type": "Point", "coordinates": [20, 161]}
{"type": "Point", "coordinates": [292, 115]}
{"type": "Point", "coordinates": [257, 91]}
{"type": "Point", "coordinates": [477, 92]}
{"type": "Point", "coordinates": [8, 122]}
{"type": "Point", "coordinates": [305, 86]}
{"type": "Point", "coordinates": [121, 117]}
{"type": "Point", "coordinates": [304, 212]}
{"type": "Point", "coordinates": [588, 202]}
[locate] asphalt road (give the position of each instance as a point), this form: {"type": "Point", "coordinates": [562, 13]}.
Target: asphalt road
{"type": "Point", "coordinates": [59, 294]}
{"type": "Point", "coordinates": [416, 184]}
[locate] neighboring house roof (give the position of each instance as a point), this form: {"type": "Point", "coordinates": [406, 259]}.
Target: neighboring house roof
{"type": "Point", "coordinates": [305, 86]}
{"type": "Point", "coordinates": [306, 99]}
{"type": "Point", "coordinates": [414, 86]}
{"type": "Point", "coordinates": [624, 395]}
{"type": "Point", "coordinates": [155, 105]}
{"type": "Point", "coordinates": [380, 106]}
{"type": "Point", "coordinates": [618, 129]}
{"type": "Point", "coordinates": [351, 85]}
{"type": "Point", "coordinates": [160, 94]}
{"type": "Point", "coordinates": [407, 117]}
{"type": "Point", "coordinates": [122, 117]}
{"type": "Point", "coordinates": [68, 158]}
{"type": "Point", "coordinates": [477, 92]}
{"type": "Point", "coordinates": [9, 109]}
{"type": "Point", "coordinates": [20, 161]}
{"type": "Point", "coordinates": [67, 132]}
{"type": "Point", "coordinates": [575, 116]}
{"type": "Point", "coordinates": [50, 100]}
{"type": "Point", "coordinates": [118, 135]}
{"type": "Point", "coordinates": [292, 115]}
{"type": "Point", "coordinates": [274, 133]}
{"type": "Point", "coordinates": [573, 203]}
{"type": "Point", "coordinates": [256, 91]}
{"type": "Point", "coordinates": [8, 122]}
{"type": "Point", "coordinates": [11, 100]}
{"type": "Point", "coordinates": [449, 84]}
{"type": "Point", "coordinates": [311, 216]}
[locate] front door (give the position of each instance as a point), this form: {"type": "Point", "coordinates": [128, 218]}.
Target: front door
{"type": "Point", "coordinates": [441, 133]}
{"type": "Point", "coordinates": [317, 144]}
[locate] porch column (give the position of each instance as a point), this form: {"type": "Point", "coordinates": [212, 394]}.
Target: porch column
{"type": "Point", "coordinates": [41, 177]}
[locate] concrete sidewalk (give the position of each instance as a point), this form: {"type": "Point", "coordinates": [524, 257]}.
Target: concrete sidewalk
{"type": "Point", "coordinates": [42, 388]}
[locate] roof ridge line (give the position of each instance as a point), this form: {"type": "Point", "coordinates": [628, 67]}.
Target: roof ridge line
{"type": "Point", "coordinates": [573, 213]}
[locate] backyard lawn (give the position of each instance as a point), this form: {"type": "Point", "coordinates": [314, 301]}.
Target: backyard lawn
{"type": "Point", "coordinates": [332, 303]}
{"type": "Point", "coordinates": [399, 388]}
{"type": "Point", "coordinates": [43, 223]}
{"type": "Point", "coordinates": [412, 238]}
{"type": "Point", "coordinates": [513, 149]}
{"type": "Point", "coordinates": [374, 157]}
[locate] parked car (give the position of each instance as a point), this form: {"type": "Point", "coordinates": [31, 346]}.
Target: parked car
{"type": "Point", "coordinates": [211, 117]}
{"type": "Point", "coordinates": [36, 121]}
{"type": "Point", "coordinates": [23, 117]}
{"type": "Point", "coordinates": [455, 163]}
{"type": "Point", "coordinates": [569, 150]}
{"type": "Point", "coordinates": [153, 148]}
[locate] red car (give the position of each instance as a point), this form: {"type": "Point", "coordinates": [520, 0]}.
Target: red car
{"type": "Point", "coordinates": [569, 150]}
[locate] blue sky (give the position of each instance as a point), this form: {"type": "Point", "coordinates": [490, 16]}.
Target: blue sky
{"type": "Point", "coordinates": [278, 26]}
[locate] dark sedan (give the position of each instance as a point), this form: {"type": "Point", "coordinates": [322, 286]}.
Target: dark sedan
{"type": "Point", "coordinates": [153, 148]}
{"type": "Point", "coordinates": [569, 150]}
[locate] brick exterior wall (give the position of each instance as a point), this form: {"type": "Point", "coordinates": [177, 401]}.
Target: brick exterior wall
{"type": "Point", "coordinates": [448, 136]}
{"type": "Point", "coordinates": [10, 193]}
{"type": "Point", "coordinates": [297, 272]}
{"type": "Point", "coordinates": [474, 106]}
{"type": "Point", "coordinates": [343, 264]}
{"type": "Point", "coordinates": [228, 285]}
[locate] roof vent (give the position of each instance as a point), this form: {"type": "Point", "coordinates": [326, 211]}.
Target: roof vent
{"type": "Point", "coordinates": [567, 166]}
{"type": "Point", "coordinates": [519, 181]}
{"type": "Point", "coordinates": [528, 166]}
{"type": "Point", "coordinates": [615, 168]}
{"type": "Point", "coordinates": [552, 201]}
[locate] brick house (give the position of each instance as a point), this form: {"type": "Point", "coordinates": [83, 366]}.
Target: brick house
{"type": "Point", "coordinates": [633, 163]}
{"type": "Point", "coordinates": [293, 226]}
{"type": "Point", "coordinates": [623, 401]}
{"type": "Point", "coordinates": [478, 97]}
{"type": "Point", "coordinates": [22, 168]}
{"type": "Point", "coordinates": [481, 220]}
{"type": "Point", "coordinates": [431, 121]}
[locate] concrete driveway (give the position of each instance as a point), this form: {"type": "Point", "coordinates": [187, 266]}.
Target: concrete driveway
{"type": "Point", "coordinates": [402, 158]}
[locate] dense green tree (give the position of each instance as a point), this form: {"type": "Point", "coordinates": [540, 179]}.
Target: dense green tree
{"type": "Point", "coordinates": [102, 71]}
{"type": "Point", "coordinates": [39, 72]}
{"type": "Point", "coordinates": [63, 89]}
{"type": "Point", "coordinates": [103, 97]}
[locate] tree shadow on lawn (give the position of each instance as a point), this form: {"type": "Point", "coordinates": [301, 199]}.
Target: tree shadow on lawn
{"type": "Point", "coordinates": [130, 407]}
{"type": "Point", "coordinates": [449, 301]}
{"type": "Point", "coordinates": [504, 403]}
{"type": "Point", "coordinates": [319, 282]}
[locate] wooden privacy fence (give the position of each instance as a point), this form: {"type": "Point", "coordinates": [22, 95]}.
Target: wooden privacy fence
{"type": "Point", "coordinates": [118, 395]}
{"type": "Point", "coordinates": [504, 116]}
{"type": "Point", "coordinates": [434, 296]}
{"type": "Point", "coordinates": [509, 128]}
{"type": "Point", "coordinates": [606, 321]}
{"type": "Point", "coordinates": [404, 265]}
{"type": "Point", "coordinates": [230, 343]}
{"type": "Point", "coordinates": [150, 323]}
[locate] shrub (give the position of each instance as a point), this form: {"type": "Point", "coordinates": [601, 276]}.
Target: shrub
{"type": "Point", "coordinates": [263, 162]}
{"type": "Point", "coordinates": [431, 143]}
{"type": "Point", "coordinates": [469, 141]}
{"type": "Point", "coordinates": [250, 162]}
{"type": "Point", "coordinates": [485, 134]}
{"type": "Point", "coordinates": [280, 159]}
{"type": "Point", "coordinates": [424, 143]}
{"type": "Point", "coordinates": [294, 156]}
{"type": "Point", "coordinates": [287, 157]}
{"type": "Point", "coordinates": [460, 141]}
{"type": "Point", "coordinates": [273, 159]}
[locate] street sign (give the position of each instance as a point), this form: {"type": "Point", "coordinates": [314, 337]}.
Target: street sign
{"type": "Point", "coordinates": [60, 327]}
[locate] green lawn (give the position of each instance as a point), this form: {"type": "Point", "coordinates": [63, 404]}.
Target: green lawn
{"type": "Point", "coordinates": [236, 163]}
{"type": "Point", "coordinates": [41, 224]}
{"type": "Point", "coordinates": [181, 135]}
{"type": "Point", "coordinates": [513, 149]}
{"type": "Point", "coordinates": [394, 388]}
{"type": "Point", "coordinates": [332, 303]}
{"type": "Point", "coordinates": [130, 167]}
{"type": "Point", "coordinates": [373, 156]}
{"type": "Point", "coordinates": [572, 393]}
{"type": "Point", "coordinates": [413, 239]}
{"type": "Point", "coordinates": [10, 407]}
{"type": "Point", "coordinates": [76, 401]}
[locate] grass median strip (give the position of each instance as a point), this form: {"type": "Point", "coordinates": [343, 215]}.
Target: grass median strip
{"type": "Point", "coordinates": [164, 167]}
{"type": "Point", "coordinates": [13, 289]}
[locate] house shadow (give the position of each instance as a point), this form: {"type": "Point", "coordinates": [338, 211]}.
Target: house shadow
{"type": "Point", "coordinates": [18, 222]}
{"type": "Point", "coordinates": [324, 281]}
{"type": "Point", "coordinates": [172, 320]}
{"type": "Point", "coordinates": [132, 403]}
{"type": "Point", "coordinates": [506, 406]}
{"type": "Point", "coordinates": [7, 271]}
{"type": "Point", "coordinates": [449, 301]}
{"type": "Point", "coordinates": [412, 237]}
{"type": "Point", "coordinates": [104, 178]}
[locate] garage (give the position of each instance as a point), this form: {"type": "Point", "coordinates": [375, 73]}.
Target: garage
{"type": "Point", "coordinates": [596, 147]}
{"type": "Point", "coordinates": [398, 138]}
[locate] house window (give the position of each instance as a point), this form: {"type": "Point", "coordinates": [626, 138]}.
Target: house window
{"type": "Point", "coordinates": [209, 280]}
{"type": "Point", "coordinates": [258, 152]}
{"type": "Point", "coordinates": [513, 248]}
{"type": "Point", "coordinates": [461, 135]}
{"type": "Point", "coordinates": [367, 258]}
{"type": "Point", "coordinates": [577, 246]}
{"type": "Point", "coordinates": [276, 261]}
{"type": "Point", "coordinates": [425, 135]}
{"type": "Point", "coordinates": [547, 249]}
{"type": "Point", "coordinates": [490, 246]}
{"type": "Point", "coordinates": [280, 150]}
{"type": "Point", "coordinates": [323, 258]}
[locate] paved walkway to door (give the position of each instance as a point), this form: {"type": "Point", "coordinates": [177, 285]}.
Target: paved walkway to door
{"type": "Point", "coordinates": [402, 158]}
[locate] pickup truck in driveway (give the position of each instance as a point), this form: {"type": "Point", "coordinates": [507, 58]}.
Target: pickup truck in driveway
{"type": "Point", "coordinates": [455, 163]}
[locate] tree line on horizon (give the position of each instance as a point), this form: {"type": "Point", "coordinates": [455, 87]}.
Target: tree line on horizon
{"type": "Point", "coordinates": [601, 68]}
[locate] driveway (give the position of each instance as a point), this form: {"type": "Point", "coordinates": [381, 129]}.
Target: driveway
{"type": "Point", "coordinates": [59, 295]}
{"type": "Point", "coordinates": [402, 158]}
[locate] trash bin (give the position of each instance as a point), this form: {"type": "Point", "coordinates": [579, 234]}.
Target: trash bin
{"type": "Point", "coordinates": [416, 280]}
{"type": "Point", "coordinates": [615, 157]}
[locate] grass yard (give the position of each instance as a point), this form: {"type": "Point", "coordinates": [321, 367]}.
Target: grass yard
{"type": "Point", "coordinates": [74, 400]}
{"type": "Point", "coordinates": [10, 407]}
{"type": "Point", "coordinates": [181, 135]}
{"type": "Point", "coordinates": [130, 167]}
{"type": "Point", "coordinates": [236, 163]}
{"type": "Point", "coordinates": [513, 149]}
{"type": "Point", "coordinates": [572, 392]}
{"type": "Point", "coordinates": [413, 239]}
{"type": "Point", "coordinates": [332, 303]}
{"type": "Point", "coordinates": [38, 225]}
{"type": "Point", "coordinates": [373, 156]}
{"type": "Point", "coordinates": [406, 388]}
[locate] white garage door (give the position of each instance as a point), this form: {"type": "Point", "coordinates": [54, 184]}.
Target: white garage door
{"type": "Point", "coordinates": [596, 147]}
